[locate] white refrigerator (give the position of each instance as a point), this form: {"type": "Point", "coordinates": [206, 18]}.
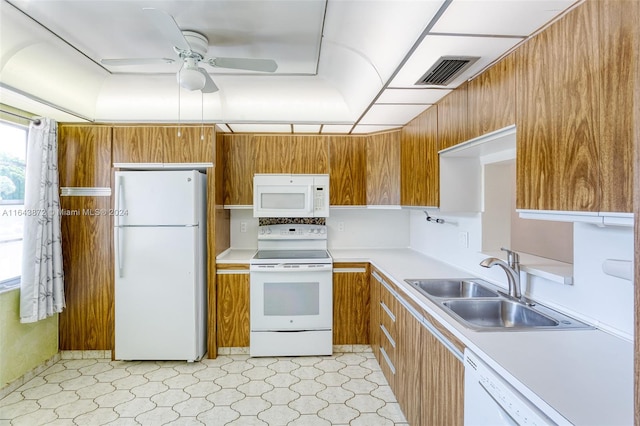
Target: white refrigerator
{"type": "Point", "coordinates": [160, 252]}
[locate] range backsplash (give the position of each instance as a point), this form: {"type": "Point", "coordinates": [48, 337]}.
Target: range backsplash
{"type": "Point", "coordinates": [264, 221]}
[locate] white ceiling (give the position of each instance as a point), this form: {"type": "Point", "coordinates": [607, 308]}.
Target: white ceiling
{"type": "Point", "coordinates": [344, 66]}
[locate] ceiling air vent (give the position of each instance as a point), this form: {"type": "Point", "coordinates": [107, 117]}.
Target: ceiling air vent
{"type": "Point", "coordinates": [446, 69]}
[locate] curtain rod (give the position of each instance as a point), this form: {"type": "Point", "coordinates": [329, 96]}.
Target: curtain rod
{"type": "Point", "coordinates": [35, 121]}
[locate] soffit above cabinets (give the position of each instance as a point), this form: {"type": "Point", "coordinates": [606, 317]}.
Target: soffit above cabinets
{"type": "Point", "coordinates": [344, 66]}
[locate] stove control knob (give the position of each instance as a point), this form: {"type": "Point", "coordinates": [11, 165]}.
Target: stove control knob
{"type": "Point", "coordinates": [268, 231]}
{"type": "Point", "coordinates": [322, 230]}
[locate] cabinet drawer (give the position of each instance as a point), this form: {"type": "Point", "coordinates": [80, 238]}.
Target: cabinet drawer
{"type": "Point", "coordinates": [388, 342]}
{"type": "Point", "coordinates": [387, 367]}
{"type": "Point", "coordinates": [388, 317]}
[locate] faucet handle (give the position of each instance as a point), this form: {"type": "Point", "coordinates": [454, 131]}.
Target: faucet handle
{"type": "Point", "coordinates": [512, 256]}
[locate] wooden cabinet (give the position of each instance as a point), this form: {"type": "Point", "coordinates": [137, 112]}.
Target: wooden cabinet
{"type": "Point", "coordinates": [452, 118]}
{"type": "Point", "coordinates": [351, 303]}
{"type": "Point", "coordinates": [87, 321]}
{"type": "Point", "coordinates": [557, 115]}
{"type": "Point", "coordinates": [426, 377]}
{"type": "Point", "coordinates": [348, 170]}
{"type": "Point", "coordinates": [291, 154]}
{"type": "Point", "coordinates": [442, 383]}
{"type": "Point", "coordinates": [232, 290]}
{"type": "Point", "coordinates": [383, 169]}
{"type": "Point", "coordinates": [163, 144]}
{"type": "Point", "coordinates": [492, 99]}
{"type": "Point", "coordinates": [84, 156]}
{"type": "Point", "coordinates": [419, 180]}
{"type": "Point", "coordinates": [618, 80]}
{"type": "Point", "coordinates": [239, 158]}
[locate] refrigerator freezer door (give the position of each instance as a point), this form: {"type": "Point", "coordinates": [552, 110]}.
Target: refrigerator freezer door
{"type": "Point", "coordinates": [158, 294]}
{"type": "Point", "coordinates": [149, 198]}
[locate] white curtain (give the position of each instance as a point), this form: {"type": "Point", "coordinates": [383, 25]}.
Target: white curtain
{"type": "Point", "coordinates": [42, 287]}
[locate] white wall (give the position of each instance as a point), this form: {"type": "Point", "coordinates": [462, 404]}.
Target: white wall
{"type": "Point", "coordinates": [594, 296]}
{"type": "Point", "coordinates": [361, 228]}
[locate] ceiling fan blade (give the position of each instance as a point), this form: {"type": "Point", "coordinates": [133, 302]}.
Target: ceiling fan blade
{"type": "Point", "coordinates": [136, 61]}
{"type": "Point", "coordinates": [265, 65]}
{"type": "Point", "coordinates": [168, 27]}
{"type": "Point", "coordinates": [209, 85]}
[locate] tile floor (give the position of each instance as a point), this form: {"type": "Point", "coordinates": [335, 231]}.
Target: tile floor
{"type": "Point", "coordinates": [343, 389]}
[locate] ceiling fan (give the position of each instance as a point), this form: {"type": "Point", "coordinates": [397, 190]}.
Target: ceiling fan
{"type": "Point", "coordinates": [191, 47]}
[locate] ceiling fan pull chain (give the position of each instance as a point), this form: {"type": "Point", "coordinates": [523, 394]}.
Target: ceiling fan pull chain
{"type": "Point", "coordinates": [179, 133]}
{"type": "Point", "coordinates": [201, 116]}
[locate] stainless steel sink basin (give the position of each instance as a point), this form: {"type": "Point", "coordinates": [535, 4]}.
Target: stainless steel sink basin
{"type": "Point", "coordinates": [480, 306]}
{"type": "Point", "coordinates": [452, 288]}
{"type": "Point", "coordinates": [499, 313]}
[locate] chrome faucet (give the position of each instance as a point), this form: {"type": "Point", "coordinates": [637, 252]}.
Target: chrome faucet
{"type": "Point", "coordinates": [512, 269]}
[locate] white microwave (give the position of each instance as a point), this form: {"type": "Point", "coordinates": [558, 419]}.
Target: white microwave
{"type": "Point", "coordinates": [288, 195]}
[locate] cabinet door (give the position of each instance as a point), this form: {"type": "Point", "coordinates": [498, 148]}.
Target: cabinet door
{"type": "Point", "coordinates": [620, 33]}
{"type": "Point", "coordinates": [138, 144]}
{"type": "Point", "coordinates": [408, 363]}
{"type": "Point", "coordinates": [452, 118]}
{"type": "Point", "coordinates": [292, 154]}
{"type": "Point", "coordinates": [239, 168]}
{"type": "Point", "coordinates": [383, 169]}
{"type": "Point", "coordinates": [194, 144]}
{"type": "Point", "coordinates": [348, 170]}
{"type": "Point", "coordinates": [233, 308]}
{"type": "Point", "coordinates": [350, 304]}
{"type": "Point", "coordinates": [419, 178]}
{"type": "Point", "coordinates": [492, 98]}
{"type": "Point", "coordinates": [557, 116]}
{"type": "Point", "coordinates": [442, 382]}
{"type": "Point", "coordinates": [84, 156]}
{"type": "Point", "coordinates": [87, 321]}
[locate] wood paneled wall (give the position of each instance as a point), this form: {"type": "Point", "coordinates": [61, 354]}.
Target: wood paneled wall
{"type": "Point", "coordinates": [634, 16]}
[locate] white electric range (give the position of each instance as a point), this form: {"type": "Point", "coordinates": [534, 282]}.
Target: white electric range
{"type": "Point", "coordinates": [291, 291]}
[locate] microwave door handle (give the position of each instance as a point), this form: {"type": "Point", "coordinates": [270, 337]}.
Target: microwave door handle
{"type": "Point", "coordinates": [311, 200]}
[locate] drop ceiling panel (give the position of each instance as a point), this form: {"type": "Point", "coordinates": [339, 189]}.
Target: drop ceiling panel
{"type": "Point", "coordinates": [498, 17]}
{"type": "Point", "coordinates": [306, 128]}
{"type": "Point", "coordinates": [393, 115]}
{"type": "Point", "coordinates": [435, 46]}
{"type": "Point", "coordinates": [260, 128]}
{"type": "Point", "coordinates": [287, 31]}
{"type": "Point", "coordinates": [336, 128]}
{"type": "Point", "coordinates": [412, 96]}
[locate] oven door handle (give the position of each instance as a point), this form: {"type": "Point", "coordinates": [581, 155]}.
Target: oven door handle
{"type": "Point", "coordinates": [292, 267]}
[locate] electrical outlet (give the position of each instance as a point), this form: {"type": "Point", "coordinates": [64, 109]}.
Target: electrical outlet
{"type": "Point", "coordinates": [341, 226]}
{"type": "Point", "coordinates": [243, 226]}
{"type": "Point", "coordinates": [463, 239]}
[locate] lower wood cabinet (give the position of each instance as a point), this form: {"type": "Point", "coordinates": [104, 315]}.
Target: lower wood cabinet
{"type": "Point", "coordinates": [232, 315]}
{"type": "Point", "coordinates": [426, 377]}
{"type": "Point", "coordinates": [351, 303]}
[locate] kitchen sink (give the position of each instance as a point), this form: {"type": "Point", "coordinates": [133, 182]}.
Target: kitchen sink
{"type": "Point", "coordinates": [445, 288]}
{"type": "Point", "coordinates": [499, 313]}
{"type": "Point", "coordinates": [480, 306]}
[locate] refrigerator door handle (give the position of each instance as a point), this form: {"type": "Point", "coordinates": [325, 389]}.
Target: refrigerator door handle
{"type": "Point", "coordinates": [119, 245]}
{"type": "Point", "coordinates": [120, 199]}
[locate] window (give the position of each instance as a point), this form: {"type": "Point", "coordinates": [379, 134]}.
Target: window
{"type": "Point", "coordinates": [13, 151]}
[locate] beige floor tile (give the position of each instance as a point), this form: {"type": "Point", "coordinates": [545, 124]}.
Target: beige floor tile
{"type": "Point", "coordinates": [347, 388]}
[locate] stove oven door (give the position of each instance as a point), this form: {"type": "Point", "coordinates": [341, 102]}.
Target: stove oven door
{"type": "Point", "coordinates": [289, 297]}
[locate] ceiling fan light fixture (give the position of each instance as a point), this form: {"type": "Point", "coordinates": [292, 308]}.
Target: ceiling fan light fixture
{"type": "Point", "coordinates": [190, 77]}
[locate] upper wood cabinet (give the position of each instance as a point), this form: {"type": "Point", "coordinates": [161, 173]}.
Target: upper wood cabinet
{"type": "Point", "coordinates": [162, 144]}
{"type": "Point", "coordinates": [557, 116]}
{"type": "Point", "coordinates": [84, 156]}
{"type": "Point", "coordinates": [348, 170]}
{"type": "Point", "coordinates": [239, 166]}
{"type": "Point", "coordinates": [419, 180]}
{"type": "Point", "coordinates": [620, 35]}
{"type": "Point", "coordinates": [383, 169]}
{"type": "Point", "coordinates": [492, 99]}
{"type": "Point", "coordinates": [452, 118]}
{"type": "Point", "coordinates": [292, 154]}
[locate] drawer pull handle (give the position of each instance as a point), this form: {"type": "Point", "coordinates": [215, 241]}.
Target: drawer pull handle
{"type": "Point", "coordinates": [388, 311]}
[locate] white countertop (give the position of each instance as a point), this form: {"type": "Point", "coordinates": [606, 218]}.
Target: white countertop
{"type": "Point", "coordinates": [584, 375]}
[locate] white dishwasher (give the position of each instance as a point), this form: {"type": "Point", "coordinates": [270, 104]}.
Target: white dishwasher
{"type": "Point", "coordinates": [490, 401]}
